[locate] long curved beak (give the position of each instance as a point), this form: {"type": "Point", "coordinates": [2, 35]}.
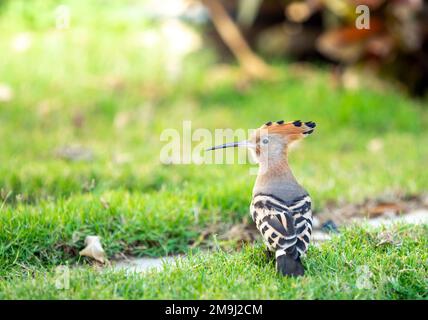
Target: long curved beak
{"type": "Point", "coordinates": [244, 143]}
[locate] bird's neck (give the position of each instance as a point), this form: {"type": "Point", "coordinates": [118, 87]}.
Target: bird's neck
{"type": "Point", "coordinates": [275, 177]}
{"type": "Point", "coordinates": [276, 170]}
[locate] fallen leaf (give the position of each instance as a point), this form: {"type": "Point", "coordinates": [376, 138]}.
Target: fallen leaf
{"type": "Point", "coordinates": [93, 249]}
{"type": "Point", "coordinates": [384, 209]}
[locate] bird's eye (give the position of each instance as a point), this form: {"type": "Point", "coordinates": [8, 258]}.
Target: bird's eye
{"type": "Point", "coordinates": [265, 141]}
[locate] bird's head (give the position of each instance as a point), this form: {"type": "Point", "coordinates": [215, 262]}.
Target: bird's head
{"type": "Point", "coordinates": [269, 142]}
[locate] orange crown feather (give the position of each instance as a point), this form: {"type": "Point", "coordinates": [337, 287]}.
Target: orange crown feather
{"type": "Point", "coordinates": [292, 130]}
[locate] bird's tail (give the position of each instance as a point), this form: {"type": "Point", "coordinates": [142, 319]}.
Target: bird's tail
{"type": "Point", "coordinates": [288, 266]}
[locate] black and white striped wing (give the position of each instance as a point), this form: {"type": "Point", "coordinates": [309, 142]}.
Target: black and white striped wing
{"type": "Point", "coordinates": [301, 210]}
{"type": "Point", "coordinates": [285, 227]}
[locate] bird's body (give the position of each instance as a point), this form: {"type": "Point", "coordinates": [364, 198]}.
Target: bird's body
{"type": "Point", "coordinates": [285, 227]}
{"type": "Point", "coordinates": [280, 206]}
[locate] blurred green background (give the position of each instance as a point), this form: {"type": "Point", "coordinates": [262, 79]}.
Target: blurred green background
{"type": "Point", "coordinates": [87, 87]}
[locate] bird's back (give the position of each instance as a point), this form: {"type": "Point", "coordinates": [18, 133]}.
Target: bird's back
{"type": "Point", "coordinates": [284, 218]}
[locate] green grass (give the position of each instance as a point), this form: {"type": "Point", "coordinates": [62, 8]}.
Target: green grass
{"type": "Point", "coordinates": [96, 85]}
{"type": "Point", "coordinates": [351, 266]}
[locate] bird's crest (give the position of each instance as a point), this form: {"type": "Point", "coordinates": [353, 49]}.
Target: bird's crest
{"type": "Point", "coordinates": [293, 130]}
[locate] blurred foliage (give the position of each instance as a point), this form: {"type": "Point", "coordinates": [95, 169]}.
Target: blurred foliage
{"type": "Point", "coordinates": [116, 78]}
{"type": "Point", "coordinates": [395, 46]}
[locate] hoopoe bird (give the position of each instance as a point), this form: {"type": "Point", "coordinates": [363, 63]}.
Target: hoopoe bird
{"type": "Point", "coordinates": [280, 206]}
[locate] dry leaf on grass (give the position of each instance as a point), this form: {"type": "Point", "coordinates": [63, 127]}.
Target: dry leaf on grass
{"type": "Point", "coordinates": [93, 249]}
{"type": "Point", "coordinates": [389, 209]}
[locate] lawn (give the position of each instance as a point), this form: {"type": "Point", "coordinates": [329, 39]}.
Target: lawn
{"type": "Point", "coordinates": [97, 85]}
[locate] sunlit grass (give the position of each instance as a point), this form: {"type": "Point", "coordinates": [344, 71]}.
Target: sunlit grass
{"type": "Point", "coordinates": [351, 266]}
